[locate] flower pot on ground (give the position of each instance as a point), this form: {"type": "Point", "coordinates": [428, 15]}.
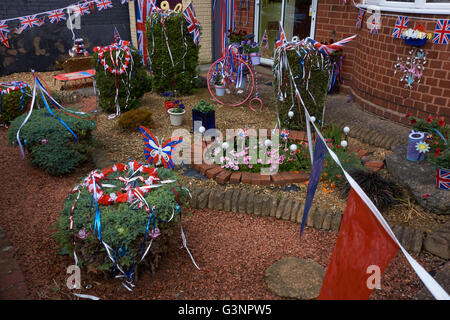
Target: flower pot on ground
{"type": "Point", "coordinates": [220, 90]}
{"type": "Point", "coordinates": [203, 112]}
{"type": "Point", "coordinates": [442, 170]}
{"type": "Point", "coordinates": [256, 58]}
{"type": "Point", "coordinates": [176, 116]}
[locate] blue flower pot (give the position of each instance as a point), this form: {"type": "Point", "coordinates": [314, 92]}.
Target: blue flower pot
{"type": "Point", "coordinates": [415, 42]}
{"type": "Point", "coordinates": [414, 138]}
{"type": "Point", "coordinates": [208, 120]}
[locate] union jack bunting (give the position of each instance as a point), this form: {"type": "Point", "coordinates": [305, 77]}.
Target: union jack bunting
{"type": "Point", "coordinates": [443, 179]}
{"type": "Point", "coordinates": [124, 1]}
{"type": "Point", "coordinates": [360, 18]}
{"type": "Point", "coordinates": [81, 9]}
{"type": "Point", "coordinates": [375, 25]}
{"type": "Point", "coordinates": [30, 22]}
{"type": "Point", "coordinates": [442, 32]}
{"type": "Point", "coordinates": [192, 23]}
{"type": "Point", "coordinates": [56, 16]}
{"type": "Point", "coordinates": [400, 25]}
{"type": "Point", "coordinates": [103, 4]}
{"type": "Point", "coordinates": [4, 33]}
{"type": "Point", "coordinates": [281, 38]}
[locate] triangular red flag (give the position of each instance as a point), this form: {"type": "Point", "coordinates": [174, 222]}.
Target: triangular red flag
{"type": "Point", "coordinates": [362, 247]}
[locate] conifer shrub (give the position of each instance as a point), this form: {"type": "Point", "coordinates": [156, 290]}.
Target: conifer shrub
{"type": "Point", "coordinates": [131, 120]}
{"type": "Point", "coordinates": [14, 104]}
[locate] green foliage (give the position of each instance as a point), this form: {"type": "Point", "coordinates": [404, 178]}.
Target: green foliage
{"type": "Point", "coordinates": [11, 104]}
{"type": "Point", "coordinates": [131, 120]}
{"type": "Point", "coordinates": [182, 77]}
{"type": "Point", "coordinates": [317, 85]}
{"type": "Point", "coordinates": [443, 159]}
{"type": "Point", "coordinates": [130, 91]}
{"type": "Point", "coordinates": [122, 228]}
{"type": "Point", "coordinates": [59, 154]}
{"type": "Point", "coordinates": [204, 106]}
{"type": "Point", "coordinates": [333, 133]}
{"type": "Point", "coordinates": [237, 36]}
{"type": "Point", "coordinates": [332, 172]}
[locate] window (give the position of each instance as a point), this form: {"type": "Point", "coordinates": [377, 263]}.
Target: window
{"type": "Point", "coordinates": [410, 6]}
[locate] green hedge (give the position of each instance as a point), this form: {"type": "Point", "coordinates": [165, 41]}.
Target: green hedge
{"type": "Point", "coordinates": [122, 228]}
{"type": "Point", "coordinates": [183, 78]}
{"type": "Point", "coordinates": [318, 87]}
{"type": "Point", "coordinates": [140, 83]}
{"type": "Point", "coordinates": [11, 104]}
{"type": "Point", "coordinates": [59, 154]}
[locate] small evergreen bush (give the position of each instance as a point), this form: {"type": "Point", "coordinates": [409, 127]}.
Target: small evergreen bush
{"type": "Point", "coordinates": [50, 144]}
{"type": "Point", "coordinates": [123, 228]}
{"type": "Point", "coordinates": [131, 120]}
{"type": "Point", "coordinates": [130, 90]}
{"type": "Point", "coordinates": [183, 76]}
{"type": "Point", "coordinates": [11, 104]}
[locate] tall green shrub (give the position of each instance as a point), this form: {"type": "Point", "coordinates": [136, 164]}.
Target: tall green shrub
{"type": "Point", "coordinates": [131, 89]}
{"type": "Point", "coordinates": [50, 144]}
{"type": "Point", "coordinates": [317, 86]}
{"type": "Point", "coordinates": [11, 104]}
{"type": "Point", "coordinates": [182, 76]}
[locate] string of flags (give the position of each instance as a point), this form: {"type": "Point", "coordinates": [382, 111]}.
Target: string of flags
{"type": "Point", "coordinates": [441, 33]}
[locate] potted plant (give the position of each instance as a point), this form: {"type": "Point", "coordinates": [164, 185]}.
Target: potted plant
{"type": "Point", "coordinates": [415, 37]}
{"type": "Point", "coordinates": [169, 102]}
{"type": "Point", "coordinates": [177, 114]}
{"type": "Point", "coordinates": [219, 84]}
{"type": "Point", "coordinates": [443, 169]}
{"type": "Point", "coordinates": [204, 112]}
{"type": "Point", "coordinates": [252, 48]}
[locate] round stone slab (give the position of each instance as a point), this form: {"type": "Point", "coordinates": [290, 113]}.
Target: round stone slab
{"type": "Point", "coordinates": [293, 277]}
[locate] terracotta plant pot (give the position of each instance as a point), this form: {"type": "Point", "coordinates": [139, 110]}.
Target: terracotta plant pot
{"type": "Point", "coordinates": [442, 178]}
{"type": "Point", "coordinates": [176, 119]}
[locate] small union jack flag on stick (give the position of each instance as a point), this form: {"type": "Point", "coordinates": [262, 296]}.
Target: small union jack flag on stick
{"type": "Point", "coordinates": [192, 23]}
{"type": "Point", "coordinates": [442, 32]}
{"type": "Point", "coordinates": [4, 33]}
{"type": "Point", "coordinates": [281, 38]}
{"type": "Point", "coordinates": [265, 40]}
{"type": "Point", "coordinates": [360, 18]}
{"type": "Point", "coordinates": [30, 22]}
{"type": "Point", "coordinates": [103, 4]}
{"type": "Point", "coordinates": [400, 25]}
{"type": "Point", "coordinates": [375, 25]}
{"type": "Point", "coordinates": [56, 16]}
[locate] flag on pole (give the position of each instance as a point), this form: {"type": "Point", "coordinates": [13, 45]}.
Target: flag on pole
{"type": "Point", "coordinates": [281, 38]}
{"type": "Point", "coordinates": [265, 40]}
{"type": "Point", "coordinates": [117, 37]}
{"type": "Point", "coordinates": [192, 23]}
{"type": "Point", "coordinates": [363, 251]}
{"type": "Point", "coordinates": [320, 151]}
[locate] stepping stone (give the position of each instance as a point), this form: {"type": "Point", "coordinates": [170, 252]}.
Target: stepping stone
{"type": "Point", "coordinates": [293, 277]}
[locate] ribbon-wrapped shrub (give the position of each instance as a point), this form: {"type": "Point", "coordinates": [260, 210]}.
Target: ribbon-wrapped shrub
{"type": "Point", "coordinates": [50, 145]}
{"type": "Point", "coordinates": [173, 55]}
{"type": "Point", "coordinates": [131, 84]}
{"type": "Point", "coordinates": [13, 102]}
{"type": "Point", "coordinates": [129, 228]}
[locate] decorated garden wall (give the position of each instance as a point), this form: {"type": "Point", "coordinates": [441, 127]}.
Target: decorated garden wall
{"type": "Point", "coordinates": [40, 47]}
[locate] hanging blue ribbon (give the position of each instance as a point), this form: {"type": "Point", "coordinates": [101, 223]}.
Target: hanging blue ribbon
{"type": "Point", "coordinates": [442, 137]}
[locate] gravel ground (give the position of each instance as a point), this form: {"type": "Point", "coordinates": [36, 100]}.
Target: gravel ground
{"type": "Point", "coordinates": [232, 249]}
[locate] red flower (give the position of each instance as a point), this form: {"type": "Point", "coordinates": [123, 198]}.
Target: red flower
{"type": "Point", "coordinates": [441, 123]}
{"type": "Point", "coordinates": [408, 115]}
{"type": "Point", "coordinates": [429, 119]}
{"type": "Point", "coordinates": [438, 150]}
{"type": "Point", "coordinates": [413, 121]}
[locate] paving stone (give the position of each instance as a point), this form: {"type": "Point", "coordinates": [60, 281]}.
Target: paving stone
{"type": "Point", "coordinates": [235, 200]}
{"type": "Point", "coordinates": [281, 207]}
{"type": "Point", "coordinates": [219, 199]}
{"type": "Point", "coordinates": [257, 205]}
{"type": "Point", "coordinates": [211, 199]}
{"type": "Point", "coordinates": [326, 225]}
{"type": "Point", "coordinates": [265, 209]}
{"type": "Point", "coordinates": [300, 213]}
{"type": "Point", "coordinates": [203, 198]}
{"type": "Point", "coordinates": [292, 277]}
{"type": "Point", "coordinates": [336, 221]}
{"type": "Point", "coordinates": [310, 218]}
{"type": "Point", "coordinates": [416, 243]}
{"type": "Point", "coordinates": [407, 238]}
{"type": "Point", "coordinates": [227, 200]}
{"type": "Point", "coordinates": [437, 245]}
{"type": "Point", "coordinates": [250, 203]}
{"type": "Point", "coordinates": [318, 218]}
{"type": "Point", "coordinates": [294, 212]}
{"type": "Point", "coordinates": [242, 205]}
{"type": "Point", "coordinates": [273, 206]}
{"type": "Point", "coordinates": [286, 215]}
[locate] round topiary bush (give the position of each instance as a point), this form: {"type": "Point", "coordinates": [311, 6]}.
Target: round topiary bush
{"type": "Point", "coordinates": [50, 144]}
{"type": "Point", "coordinates": [132, 84]}
{"type": "Point", "coordinates": [131, 120]}
{"type": "Point", "coordinates": [126, 226]}
{"type": "Point", "coordinates": [181, 76]}
{"type": "Point", "coordinates": [13, 104]}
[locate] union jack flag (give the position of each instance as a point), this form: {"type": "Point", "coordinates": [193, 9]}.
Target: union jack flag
{"type": "Point", "coordinates": [56, 16]}
{"type": "Point", "coordinates": [82, 9]}
{"type": "Point", "coordinates": [192, 23]}
{"type": "Point", "coordinates": [281, 38]}
{"type": "Point", "coordinates": [360, 18]}
{"type": "Point", "coordinates": [442, 32]}
{"type": "Point", "coordinates": [443, 179]}
{"type": "Point", "coordinates": [144, 9]}
{"type": "Point", "coordinates": [400, 25]}
{"type": "Point", "coordinates": [30, 22]}
{"type": "Point", "coordinates": [124, 1]}
{"type": "Point", "coordinates": [375, 25]}
{"type": "Point", "coordinates": [330, 48]}
{"type": "Point", "coordinates": [4, 33]}
{"type": "Point", "coordinates": [265, 40]}
{"type": "Point", "coordinates": [103, 4]}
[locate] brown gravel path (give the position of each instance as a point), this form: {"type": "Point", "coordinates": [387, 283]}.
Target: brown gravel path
{"type": "Point", "coordinates": [232, 249]}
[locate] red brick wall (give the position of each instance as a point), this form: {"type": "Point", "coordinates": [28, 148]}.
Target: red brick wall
{"type": "Point", "coordinates": [369, 64]}
{"type": "Point", "coordinates": [240, 25]}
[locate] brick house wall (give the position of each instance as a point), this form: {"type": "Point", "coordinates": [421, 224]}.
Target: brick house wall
{"type": "Point", "coordinates": [203, 11]}
{"type": "Point", "coordinates": [241, 25]}
{"type": "Point", "coordinates": [369, 64]}
{"type": "Point", "coordinates": [40, 47]}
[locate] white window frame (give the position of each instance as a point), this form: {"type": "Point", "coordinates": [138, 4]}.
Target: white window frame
{"type": "Point", "coordinates": [418, 6]}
